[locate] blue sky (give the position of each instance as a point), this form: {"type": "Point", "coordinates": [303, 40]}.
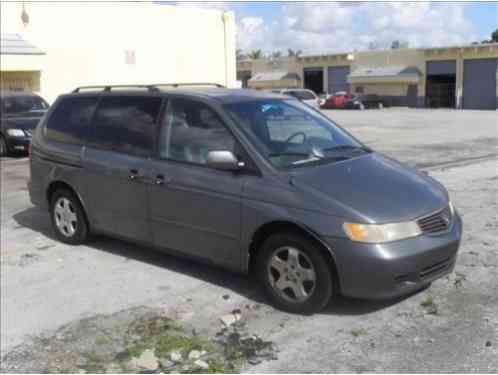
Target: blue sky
{"type": "Point", "coordinates": [316, 27]}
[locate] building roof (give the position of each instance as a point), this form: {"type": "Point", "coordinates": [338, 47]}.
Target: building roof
{"type": "Point", "coordinates": [274, 76]}
{"type": "Point", "coordinates": [14, 44]}
{"type": "Point", "coordinates": [391, 71]}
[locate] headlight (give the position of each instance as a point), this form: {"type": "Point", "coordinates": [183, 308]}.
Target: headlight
{"type": "Point", "coordinates": [379, 233]}
{"type": "Point", "coordinates": [15, 132]}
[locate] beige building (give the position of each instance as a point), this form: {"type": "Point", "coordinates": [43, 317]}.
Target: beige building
{"type": "Point", "coordinates": [53, 47]}
{"type": "Point", "coordinates": [451, 77]}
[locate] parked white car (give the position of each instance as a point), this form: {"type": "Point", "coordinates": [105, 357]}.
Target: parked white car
{"type": "Point", "coordinates": [306, 96]}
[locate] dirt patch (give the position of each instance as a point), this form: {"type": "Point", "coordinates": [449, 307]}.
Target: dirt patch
{"type": "Point", "coordinates": [137, 340]}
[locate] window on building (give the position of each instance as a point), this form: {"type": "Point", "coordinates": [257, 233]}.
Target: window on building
{"type": "Point", "coordinates": [190, 130]}
{"type": "Point", "coordinates": [359, 89]}
{"type": "Point", "coordinates": [70, 121]}
{"type": "Point", "coordinates": [127, 124]}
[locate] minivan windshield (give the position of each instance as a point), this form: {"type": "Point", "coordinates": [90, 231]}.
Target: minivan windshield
{"type": "Point", "coordinates": [23, 103]}
{"type": "Point", "coordinates": [291, 134]}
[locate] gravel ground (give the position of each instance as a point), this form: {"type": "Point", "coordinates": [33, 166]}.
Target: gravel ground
{"type": "Point", "coordinates": [451, 326]}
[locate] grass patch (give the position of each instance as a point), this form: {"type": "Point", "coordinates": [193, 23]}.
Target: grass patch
{"type": "Point", "coordinates": [430, 305]}
{"type": "Point", "coordinates": [357, 332]}
{"type": "Point", "coordinates": [102, 340]}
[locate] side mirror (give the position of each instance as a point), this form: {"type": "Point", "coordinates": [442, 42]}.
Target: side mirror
{"type": "Point", "coordinates": [224, 160]}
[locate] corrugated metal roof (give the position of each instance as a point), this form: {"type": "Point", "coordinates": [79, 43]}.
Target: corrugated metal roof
{"type": "Point", "coordinates": [14, 44]}
{"type": "Point", "coordinates": [391, 71]}
{"type": "Point", "coordinates": [274, 76]}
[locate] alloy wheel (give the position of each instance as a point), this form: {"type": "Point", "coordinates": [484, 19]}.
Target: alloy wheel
{"type": "Point", "coordinates": [291, 274]}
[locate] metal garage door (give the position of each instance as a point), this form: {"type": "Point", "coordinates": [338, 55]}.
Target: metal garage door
{"type": "Point", "coordinates": [442, 67]}
{"type": "Point", "coordinates": [479, 83]}
{"type": "Point", "coordinates": [338, 78]}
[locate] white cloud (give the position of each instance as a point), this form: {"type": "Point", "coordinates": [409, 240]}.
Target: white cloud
{"type": "Point", "coordinates": [340, 27]}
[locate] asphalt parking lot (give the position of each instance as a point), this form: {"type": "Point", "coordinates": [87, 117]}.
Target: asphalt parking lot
{"type": "Point", "coordinates": [450, 327]}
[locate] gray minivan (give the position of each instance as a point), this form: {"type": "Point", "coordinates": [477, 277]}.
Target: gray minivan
{"type": "Point", "coordinates": [251, 181]}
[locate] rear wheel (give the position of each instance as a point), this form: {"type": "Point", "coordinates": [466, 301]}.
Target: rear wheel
{"type": "Point", "coordinates": [3, 147]}
{"type": "Point", "coordinates": [68, 217]}
{"type": "Point", "coordinates": [295, 273]}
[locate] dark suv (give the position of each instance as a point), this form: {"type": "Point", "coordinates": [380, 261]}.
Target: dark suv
{"type": "Point", "coordinates": [20, 112]}
{"type": "Point", "coordinates": [247, 180]}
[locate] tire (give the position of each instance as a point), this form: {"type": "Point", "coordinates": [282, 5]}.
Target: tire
{"type": "Point", "coordinates": [4, 150]}
{"type": "Point", "coordinates": [68, 217]}
{"type": "Point", "coordinates": [311, 296]}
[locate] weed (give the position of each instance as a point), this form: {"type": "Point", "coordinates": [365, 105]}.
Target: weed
{"type": "Point", "coordinates": [429, 305]}
{"type": "Point", "coordinates": [359, 332]}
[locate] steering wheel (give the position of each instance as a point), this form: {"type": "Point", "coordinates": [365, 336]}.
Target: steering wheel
{"type": "Point", "coordinates": [295, 135]}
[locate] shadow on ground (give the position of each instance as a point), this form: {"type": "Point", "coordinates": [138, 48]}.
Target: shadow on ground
{"type": "Point", "coordinates": [39, 221]}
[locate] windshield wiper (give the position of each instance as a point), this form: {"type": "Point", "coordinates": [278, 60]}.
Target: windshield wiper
{"type": "Point", "coordinates": [292, 153]}
{"type": "Point", "coordinates": [346, 147]}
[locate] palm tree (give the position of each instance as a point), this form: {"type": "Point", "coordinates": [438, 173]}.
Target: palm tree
{"type": "Point", "coordinates": [292, 53]}
{"type": "Point", "coordinates": [276, 55]}
{"type": "Point", "coordinates": [255, 54]}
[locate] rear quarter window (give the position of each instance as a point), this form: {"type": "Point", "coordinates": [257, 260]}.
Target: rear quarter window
{"type": "Point", "coordinates": [70, 121]}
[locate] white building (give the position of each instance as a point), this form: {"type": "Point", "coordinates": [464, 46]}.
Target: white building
{"type": "Point", "coordinates": [54, 47]}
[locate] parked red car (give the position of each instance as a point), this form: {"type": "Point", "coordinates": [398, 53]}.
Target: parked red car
{"type": "Point", "coordinates": [337, 100]}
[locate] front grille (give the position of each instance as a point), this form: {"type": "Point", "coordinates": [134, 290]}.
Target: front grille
{"type": "Point", "coordinates": [437, 222]}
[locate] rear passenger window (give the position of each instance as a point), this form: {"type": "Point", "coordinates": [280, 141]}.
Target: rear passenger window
{"type": "Point", "coordinates": [127, 124]}
{"type": "Point", "coordinates": [69, 123]}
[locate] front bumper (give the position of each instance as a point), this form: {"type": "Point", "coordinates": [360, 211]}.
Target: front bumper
{"type": "Point", "coordinates": [18, 144]}
{"type": "Point", "coordinates": [381, 271]}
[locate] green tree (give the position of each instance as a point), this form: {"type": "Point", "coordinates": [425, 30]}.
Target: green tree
{"type": "Point", "coordinates": [494, 36]}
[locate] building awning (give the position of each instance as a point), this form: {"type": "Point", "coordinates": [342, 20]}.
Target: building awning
{"type": "Point", "coordinates": [396, 74]}
{"type": "Point", "coordinates": [269, 80]}
{"type": "Point", "coordinates": [274, 76]}
{"type": "Point", "coordinates": [19, 55]}
{"type": "Point", "coordinates": [14, 44]}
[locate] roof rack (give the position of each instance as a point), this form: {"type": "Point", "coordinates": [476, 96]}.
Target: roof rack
{"type": "Point", "coordinates": [189, 84]}
{"type": "Point", "coordinates": [151, 87]}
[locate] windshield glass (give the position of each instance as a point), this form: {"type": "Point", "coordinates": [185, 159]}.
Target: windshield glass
{"type": "Point", "coordinates": [20, 104]}
{"type": "Point", "coordinates": [291, 134]}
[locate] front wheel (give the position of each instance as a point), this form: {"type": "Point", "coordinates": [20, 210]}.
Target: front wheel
{"type": "Point", "coordinates": [296, 274]}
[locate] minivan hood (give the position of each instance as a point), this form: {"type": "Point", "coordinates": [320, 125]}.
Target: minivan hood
{"type": "Point", "coordinates": [372, 188]}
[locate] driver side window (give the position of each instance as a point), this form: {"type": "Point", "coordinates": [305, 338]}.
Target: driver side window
{"type": "Point", "coordinates": [284, 123]}
{"type": "Point", "coordinates": [190, 130]}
